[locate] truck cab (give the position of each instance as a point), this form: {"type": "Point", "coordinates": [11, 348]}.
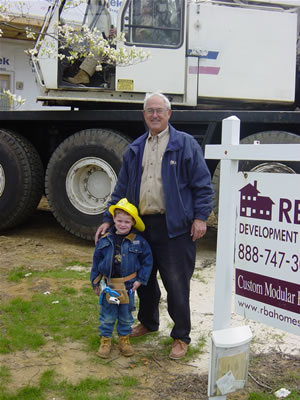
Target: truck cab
{"type": "Point", "coordinates": [201, 54]}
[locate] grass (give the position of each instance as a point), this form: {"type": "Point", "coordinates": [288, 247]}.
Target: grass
{"type": "Point", "coordinates": [18, 274]}
{"type": "Point", "coordinates": [198, 276]}
{"type": "Point", "coordinates": [261, 396]}
{"type": "Point", "coordinates": [70, 313]}
{"type": "Point", "coordinates": [5, 377]}
{"type": "Point", "coordinates": [85, 389]}
{"type": "Point", "coordinates": [66, 313]}
{"type": "Point", "coordinates": [267, 396]}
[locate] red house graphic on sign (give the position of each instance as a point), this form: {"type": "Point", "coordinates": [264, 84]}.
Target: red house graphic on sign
{"type": "Point", "coordinates": [254, 206]}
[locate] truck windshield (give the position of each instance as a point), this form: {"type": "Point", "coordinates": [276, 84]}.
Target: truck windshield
{"type": "Point", "coordinates": [92, 13]}
{"type": "Point", "coordinates": [153, 23]}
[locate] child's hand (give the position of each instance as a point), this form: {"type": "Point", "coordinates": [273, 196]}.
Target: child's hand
{"type": "Point", "coordinates": [96, 290]}
{"type": "Point", "coordinates": [136, 285]}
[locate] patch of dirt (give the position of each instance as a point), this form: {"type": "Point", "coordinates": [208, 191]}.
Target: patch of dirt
{"type": "Point", "coordinates": [41, 244]}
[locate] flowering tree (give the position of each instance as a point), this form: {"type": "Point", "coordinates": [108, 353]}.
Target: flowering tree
{"type": "Point", "coordinates": [85, 43]}
{"type": "Point", "coordinates": [70, 42]}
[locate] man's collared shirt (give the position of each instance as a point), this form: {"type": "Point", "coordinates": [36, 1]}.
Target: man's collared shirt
{"type": "Point", "coordinates": [151, 193]}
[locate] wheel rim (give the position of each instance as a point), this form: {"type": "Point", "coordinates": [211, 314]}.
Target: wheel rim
{"type": "Point", "coordinates": [89, 184]}
{"type": "Point", "coordinates": [274, 167]}
{"type": "Point", "coordinates": [2, 180]}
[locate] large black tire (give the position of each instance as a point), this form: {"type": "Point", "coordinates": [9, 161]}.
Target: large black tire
{"type": "Point", "coordinates": [81, 176]}
{"type": "Point", "coordinates": [268, 137]}
{"type": "Point", "coordinates": [21, 179]}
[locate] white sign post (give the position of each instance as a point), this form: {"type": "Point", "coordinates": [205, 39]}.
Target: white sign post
{"type": "Point", "coordinates": [241, 238]}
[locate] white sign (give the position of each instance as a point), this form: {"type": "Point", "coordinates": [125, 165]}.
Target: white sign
{"type": "Point", "coordinates": [267, 249]}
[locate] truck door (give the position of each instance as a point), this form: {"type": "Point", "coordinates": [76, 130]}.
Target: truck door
{"type": "Point", "coordinates": [241, 53]}
{"type": "Point", "coordinates": [155, 26]}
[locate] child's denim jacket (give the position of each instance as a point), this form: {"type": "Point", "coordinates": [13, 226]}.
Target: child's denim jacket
{"type": "Point", "coordinates": [136, 257]}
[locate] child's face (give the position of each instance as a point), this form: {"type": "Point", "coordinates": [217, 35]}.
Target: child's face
{"type": "Point", "coordinates": [123, 223]}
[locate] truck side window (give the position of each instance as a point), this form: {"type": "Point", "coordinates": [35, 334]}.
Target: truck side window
{"type": "Point", "coordinates": [153, 23]}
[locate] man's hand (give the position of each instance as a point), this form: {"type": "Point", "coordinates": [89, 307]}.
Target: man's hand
{"type": "Point", "coordinates": [136, 285]}
{"type": "Point", "coordinates": [101, 230]}
{"type": "Point", "coordinates": [198, 229]}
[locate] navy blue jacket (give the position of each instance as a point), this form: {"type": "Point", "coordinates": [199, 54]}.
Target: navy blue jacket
{"type": "Point", "coordinates": [185, 177]}
{"type": "Point", "coordinates": [136, 257]}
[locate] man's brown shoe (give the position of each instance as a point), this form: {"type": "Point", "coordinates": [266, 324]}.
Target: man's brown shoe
{"type": "Point", "coordinates": [178, 350]}
{"type": "Point", "coordinates": [139, 330]}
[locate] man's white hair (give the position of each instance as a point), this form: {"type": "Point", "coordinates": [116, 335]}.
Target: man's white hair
{"type": "Point", "coordinates": [157, 94]}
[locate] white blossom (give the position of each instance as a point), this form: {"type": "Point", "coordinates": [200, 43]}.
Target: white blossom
{"type": "Point", "coordinates": [71, 43]}
{"type": "Point", "coordinates": [75, 43]}
{"type": "Point", "coordinates": [13, 98]}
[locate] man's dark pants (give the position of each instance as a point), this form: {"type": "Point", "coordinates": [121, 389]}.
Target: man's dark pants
{"type": "Point", "coordinates": [175, 260]}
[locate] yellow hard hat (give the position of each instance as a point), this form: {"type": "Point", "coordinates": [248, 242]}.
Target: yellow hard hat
{"type": "Point", "coordinates": [124, 205]}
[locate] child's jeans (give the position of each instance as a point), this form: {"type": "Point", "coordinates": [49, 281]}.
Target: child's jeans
{"type": "Point", "coordinates": [110, 313]}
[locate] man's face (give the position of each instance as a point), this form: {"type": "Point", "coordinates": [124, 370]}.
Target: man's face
{"type": "Point", "coordinates": [156, 115]}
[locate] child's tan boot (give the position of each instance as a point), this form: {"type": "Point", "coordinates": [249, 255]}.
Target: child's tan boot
{"type": "Point", "coordinates": [105, 347]}
{"type": "Point", "coordinates": [125, 346]}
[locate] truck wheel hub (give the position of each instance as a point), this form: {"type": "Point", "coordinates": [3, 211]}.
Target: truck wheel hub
{"type": "Point", "coordinates": [89, 184]}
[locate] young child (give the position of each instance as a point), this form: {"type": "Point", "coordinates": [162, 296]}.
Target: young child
{"type": "Point", "coordinates": [124, 259]}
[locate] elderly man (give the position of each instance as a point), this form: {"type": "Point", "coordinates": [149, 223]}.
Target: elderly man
{"type": "Point", "coordinates": [165, 175]}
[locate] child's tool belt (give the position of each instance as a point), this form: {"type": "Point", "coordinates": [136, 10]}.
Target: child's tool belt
{"type": "Point", "coordinates": [118, 284]}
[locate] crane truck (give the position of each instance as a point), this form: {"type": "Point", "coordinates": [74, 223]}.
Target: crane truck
{"type": "Point", "coordinates": [211, 58]}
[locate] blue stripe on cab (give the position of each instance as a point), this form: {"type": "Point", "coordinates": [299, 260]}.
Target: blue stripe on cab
{"type": "Point", "coordinates": [211, 55]}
